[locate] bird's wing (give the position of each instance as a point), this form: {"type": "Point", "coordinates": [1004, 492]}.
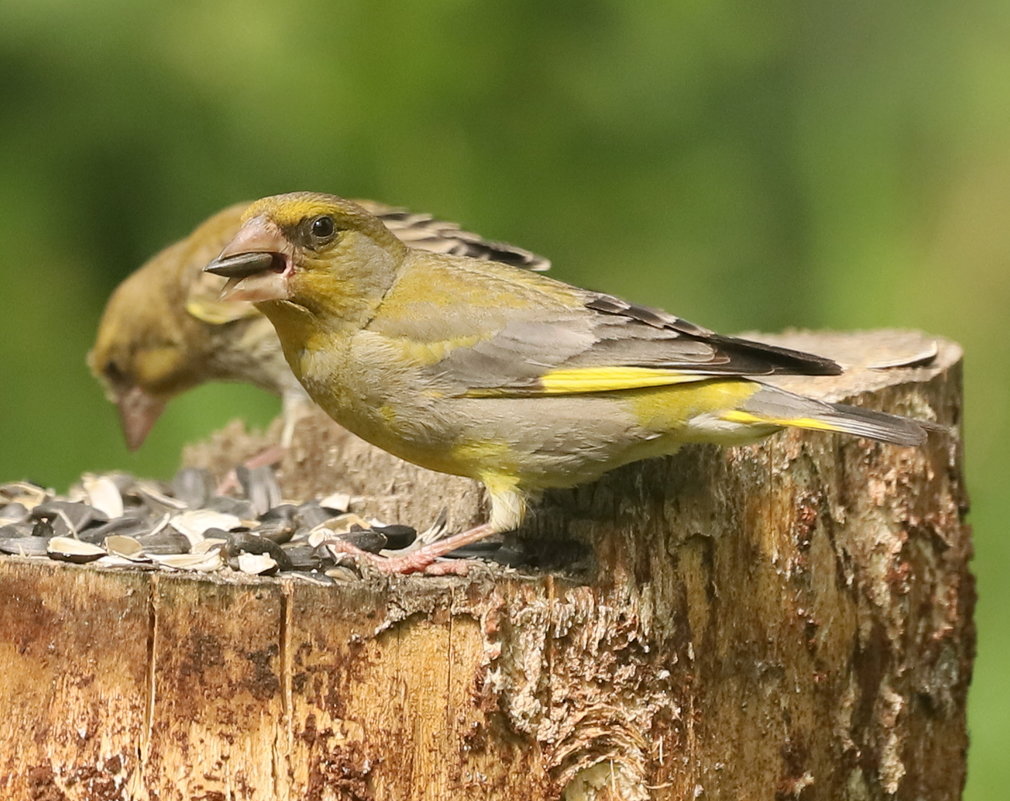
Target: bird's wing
{"type": "Point", "coordinates": [521, 335]}
{"type": "Point", "coordinates": [426, 232]}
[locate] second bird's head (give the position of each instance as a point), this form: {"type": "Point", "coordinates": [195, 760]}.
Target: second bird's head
{"type": "Point", "coordinates": [318, 253]}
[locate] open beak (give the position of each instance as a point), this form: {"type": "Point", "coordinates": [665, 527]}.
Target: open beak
{"type": "Point", "coordinates": [257, 263]}
{"type": "Point", "coordinates": [138, 412]}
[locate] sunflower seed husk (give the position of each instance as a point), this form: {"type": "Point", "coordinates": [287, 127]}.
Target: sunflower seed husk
{"type": "Point", "coordinates": [256, 564]}
{"type": "Point", "coordinates": [24, 546]}
{"type": "Point", "coordinates": [310, 514]}
{"type": "Point", "coordinates": [260, 486]}
{"type": "Point", "coordinates": [337, 501]}
{"type": "Point", "coordinates": [239, 507]}
{"type": "Point", "coordinates": [245, 541]}
{"type": "Point", "coordinates": [103, 494]}
{"type": "Point", "coordinates": [20, 529]}
{"type": "Point", "coordinates": [201, 562]}
{"type": "Point", "coordinates": [193, 486]}
{"type": "Point", "coordinates": [156, 499]}
{"type": "Point", "coordinates": [23, 492]}
{"type": "Point", "coordinates": [166, 541]}
{"type": "Point", "coordinates": [121, 545]}
{"type": "Point", "coordinates": [196, 521]}
{"type": "Point", "coordinates": [68, 549]}
{"type": "Point", "coordinates": [336, 526]}
{"type": "Point", "coordinates": [76, 515]}
{"type": "Point", "coordinates": [128, 526]}
{"type": "Point", "coordinates": [13, 513]}
{"type": "Point", "coordinates": [341, 573]}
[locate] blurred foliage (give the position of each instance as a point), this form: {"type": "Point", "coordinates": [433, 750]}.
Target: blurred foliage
{"type": "Point", "coordinates": [747, 165]}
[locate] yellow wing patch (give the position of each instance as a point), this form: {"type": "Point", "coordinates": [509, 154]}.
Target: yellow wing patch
{"type": "Point", "coordinates": [580, 380]}
{"type": "Point", "coordinates": [611, 379]}
{"type": "Point", "coordinates": [736, 416]}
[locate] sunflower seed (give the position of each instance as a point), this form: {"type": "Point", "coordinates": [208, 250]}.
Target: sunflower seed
{"type": "Point", "coordinates": [310, 514]}
{"type": "Point", "coordinates": [13, 513]}
{"type": "Point", "coordinates": [128, 526]}
{"type": "Point", "coordinates": [67, 549]}
{"type": "Point", "coordinates": [24, 546]}
{"type": "Point", "coordinates": [193, 486]}
{"type": "Point", "coordinates": [233, 506]}
{"type": "Point", "coordinates": [305, 557]}
{"type": "Point", "coordinates": [260, 487]}
{"type": "Point", "coordinates": [166, 541]}
{"type": "Point", "coordinates": [397, 536]}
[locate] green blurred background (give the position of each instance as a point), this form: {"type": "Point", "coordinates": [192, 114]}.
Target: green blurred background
{"type": "Point", "coordinates": [750, 166]}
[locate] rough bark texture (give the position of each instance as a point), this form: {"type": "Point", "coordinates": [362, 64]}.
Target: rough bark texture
{"type": "Point", "coordinates": [786, 620]}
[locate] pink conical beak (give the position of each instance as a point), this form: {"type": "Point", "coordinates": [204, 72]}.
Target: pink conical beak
{"type": "Point", "coordinates": [257, 263]}
{"type": "Point", "coordinates": [138, 412]}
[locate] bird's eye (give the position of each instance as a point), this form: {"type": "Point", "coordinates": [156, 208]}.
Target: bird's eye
{"type": "Point", "coordinates": [322, 228]}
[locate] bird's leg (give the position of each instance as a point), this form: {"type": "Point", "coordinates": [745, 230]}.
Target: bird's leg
{"type": "Point", "coordinates": [423, 559]}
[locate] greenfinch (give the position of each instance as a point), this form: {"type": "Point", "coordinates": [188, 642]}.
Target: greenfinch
{"type": "Point", "coordinates": [519, 381]}
{"type": "Point", "coordinates": [164, 329]}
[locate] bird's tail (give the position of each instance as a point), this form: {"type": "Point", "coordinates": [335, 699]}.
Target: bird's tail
{"type": "Point", "coordinates": [771, 406]}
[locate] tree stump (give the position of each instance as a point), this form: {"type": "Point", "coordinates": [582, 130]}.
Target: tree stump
{"type": "Point", "coordinates": [791, 619]}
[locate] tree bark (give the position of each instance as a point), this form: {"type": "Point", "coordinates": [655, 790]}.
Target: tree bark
{"type": "Point", "coordinates": [791, 619]}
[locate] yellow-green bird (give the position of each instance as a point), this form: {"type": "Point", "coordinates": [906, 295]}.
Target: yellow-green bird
{"type": "Point", "coordinates": [165, 330]}
{"type": "Point", "coordinates": [509, 377]}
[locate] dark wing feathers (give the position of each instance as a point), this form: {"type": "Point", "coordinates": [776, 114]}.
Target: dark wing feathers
{"type": "Point", "coordinates": [426, 232]}
{"type": "Point", "coordinates": [726, 354]}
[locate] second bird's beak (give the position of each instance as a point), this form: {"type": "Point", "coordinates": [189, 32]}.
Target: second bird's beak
{"type": "Point", "coordinates": [138, 411]}
{"type": "Point", "coordinates": [257, 263]}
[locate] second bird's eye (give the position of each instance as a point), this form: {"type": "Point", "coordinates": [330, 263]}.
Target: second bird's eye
{"type": "Point", "coordinates": [322, 227]}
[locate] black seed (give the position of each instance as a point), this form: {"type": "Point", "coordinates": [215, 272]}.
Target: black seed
{"type": "Point", "coordinates": [365, 539]}
{"type": "Point", "coordinates": [43, 528]}
{"type": "Point", "coordinates": [397, 536]}
{"type": "Point", "coordinates": [305, 557]}
{"type": "Point", "coordinates": [278, 531]}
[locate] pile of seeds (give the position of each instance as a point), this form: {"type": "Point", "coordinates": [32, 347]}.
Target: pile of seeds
{"type": "Point", "coordinates": [117, 520]}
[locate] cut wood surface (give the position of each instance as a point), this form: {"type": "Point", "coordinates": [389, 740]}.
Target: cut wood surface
{"type": "Point", "coordinates": [791, 619]}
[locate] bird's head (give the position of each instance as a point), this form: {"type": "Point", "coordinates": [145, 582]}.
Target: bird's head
{"type": "Point", "coordinates": [140, 356]}
{"type": "Point", "coordinates": [148, 348]}
{"type": "Point", "coordinates": [319, 253]}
